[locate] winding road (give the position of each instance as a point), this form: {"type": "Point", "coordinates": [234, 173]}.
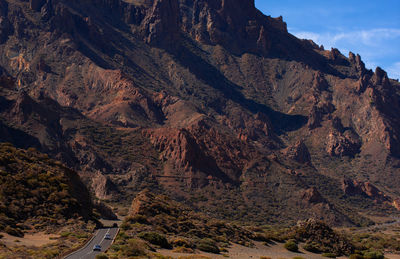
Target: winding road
{"type": "Point", "coordinates": [87, 251]}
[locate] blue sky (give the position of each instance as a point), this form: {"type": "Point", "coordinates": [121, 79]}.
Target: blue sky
{"type": "Point", "coordinates": [369, 28]}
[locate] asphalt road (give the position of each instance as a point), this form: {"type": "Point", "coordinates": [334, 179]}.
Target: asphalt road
{"type": "Point", "coordinates": [87, 251]}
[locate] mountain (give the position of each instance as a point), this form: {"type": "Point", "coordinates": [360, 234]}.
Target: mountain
{"type": "Point", "coordinates": [210, 101]}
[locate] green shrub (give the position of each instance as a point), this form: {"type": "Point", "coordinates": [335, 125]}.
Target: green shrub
{"type": "Point", "coordinates": [180, 242]}
{"type": "Point", "coordinates": [115, 247]}
{"type": "Point", "coordinates": [374, 255]}
{"type": "Point", "coordinates": [133, 247]}
{"type": "Point", "coordinates": [208, 245]}
{"type": "Point", "coordinates": [329, 255]}
{"type": "Point", "coordinates": [298, 257]}
{"type": "Point", "coordinates": [312, 247]}
{"type": "Point", "coordinates": [125, 226]}
{"type": "Point", "coordinates": [101, 256]}
{"type": "Point", "coordinates": [356, 256]}
{"type": "Point", "coordinates": [183, 250]}
{"type": "Point", "coordinates": [155, 239]}
{"type": "Point", "coordinates": [14, 231]}
{"type": "Point", "coordinates": [139, 219]}
{"type": "Point", "coordinates": [291, 246]}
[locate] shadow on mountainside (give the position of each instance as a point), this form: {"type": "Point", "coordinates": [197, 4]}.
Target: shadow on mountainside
{"type": "Point", "coordinates": [211, 76]}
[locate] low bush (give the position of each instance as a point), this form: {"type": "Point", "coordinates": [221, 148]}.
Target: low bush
{"type": "Point", "coordinates": [138, 219]}
{"type": "Point", "coordinates": [14, 231]}
{"type": "Point", "coordinates": [101, 256]}
{"type": "Point", "coordinates": [155, 239]}
{"type": "Point", "coordinates": [208, 245]}
{"type": "Point", "coordinates": [356, 256]}
{"type": "Point", "coordinates": [183, 250]}
{"type": "Point", "coordinates": [329, 255]}
{"type": "Point", "coordinates": [374, 255]}
{"type": "Point", "coordinates": [181, 242]}
{"type": "Point", "coordinates": [291, 246]}
{"type": "Point", "coordinates": [312, 247]}
{"type": "Point", "coordinates": [133, 248]}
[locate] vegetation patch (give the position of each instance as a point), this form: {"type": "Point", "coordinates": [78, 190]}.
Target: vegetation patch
{"type": "Point", "coordinates": [291, 246]}
{"type": "Point", "coordinates": [37, 192]}
{"type": "Point", "coordinates": [155, 239]}
{"type": "Point", "coordinates": [208, 245]}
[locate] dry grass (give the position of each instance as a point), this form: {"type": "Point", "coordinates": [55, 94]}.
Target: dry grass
{"type": "Point", "coordinates": [36, 239]}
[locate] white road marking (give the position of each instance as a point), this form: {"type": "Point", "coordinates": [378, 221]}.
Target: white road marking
{"type": "Point", "coordinates": [103, 239]}
{"type": "Point", "coordinates": [87, 246]}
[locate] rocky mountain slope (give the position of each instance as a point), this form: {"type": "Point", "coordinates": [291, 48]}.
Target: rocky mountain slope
{"type": "Point", "coordinates": [210, 101]}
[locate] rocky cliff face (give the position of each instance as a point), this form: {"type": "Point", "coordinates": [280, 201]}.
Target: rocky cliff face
{"type": "Point", "coordinates": [202, 99]}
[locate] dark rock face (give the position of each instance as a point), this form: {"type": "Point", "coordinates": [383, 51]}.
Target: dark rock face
{"type": "Point", "coordinates": [162, 22]}
{"type": "Point", "coordinates": [36, 5]}
{"type": "Point", "coordinates": [6, 80]}
{"type": "Point", "coordinates": [5, 26]}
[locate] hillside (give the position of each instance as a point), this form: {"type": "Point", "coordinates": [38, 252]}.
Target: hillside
{"type": "Point", "coordinates": [37, 193]}
{"type": "Point", "coordinates": [157, 223]}
{"type": "Point", "coordinates": [210, 101]}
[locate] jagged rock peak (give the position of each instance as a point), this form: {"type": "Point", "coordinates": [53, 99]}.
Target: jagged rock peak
{"type": "Point", "coordinates": [356, 61]}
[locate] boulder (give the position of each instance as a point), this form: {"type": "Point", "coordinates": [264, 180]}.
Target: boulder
{"type": "Point", "coordinates": [298, 152]}
{"type": "Point", "coordinates": [343, 144]}
{"type": "Point", "coordinates": [312, 196]}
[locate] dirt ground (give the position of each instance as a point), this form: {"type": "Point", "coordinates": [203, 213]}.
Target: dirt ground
{"type": "Point", "coordinates": [37, 239]}
{"type": "Point", "coordinates": [274, 251]}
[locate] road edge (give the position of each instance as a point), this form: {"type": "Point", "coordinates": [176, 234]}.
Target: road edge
{"type": "Point", "coordinates": [84, 245]}
{"type": "Point", "coordinates": [112, 242]}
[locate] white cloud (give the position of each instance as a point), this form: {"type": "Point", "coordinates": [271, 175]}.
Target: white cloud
{"type": "Point", "coordinates": [371, 38]}
{"type": "Point", "coordinates": [394, 70]}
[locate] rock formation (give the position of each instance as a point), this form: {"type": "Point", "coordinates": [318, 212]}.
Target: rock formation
{"type": "Point", "coordinates": [298, 152]}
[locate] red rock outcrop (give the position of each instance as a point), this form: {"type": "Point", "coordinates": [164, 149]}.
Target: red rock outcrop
{"type": "Point", "coordinates": [352, 187]}
{"type": "Point", "coordinates": [312, 196]}
{"type": "Point", "coordinates": [346, 144]}
{"type": "Point", "coordinates": [298, 152]}
{"type": "Point", "coordinates": [200, 148]}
